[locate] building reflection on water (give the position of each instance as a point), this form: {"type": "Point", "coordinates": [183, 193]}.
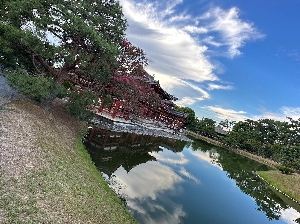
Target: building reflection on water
{"type": "Point", "coordinates": [110, 150]}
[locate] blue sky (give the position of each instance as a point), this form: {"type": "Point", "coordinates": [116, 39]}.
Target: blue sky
{"type": "Point", "coordinates": [225, 59]}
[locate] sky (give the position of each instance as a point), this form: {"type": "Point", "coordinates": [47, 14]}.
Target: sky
{"type": "Point", "coordinates": [230, 59]}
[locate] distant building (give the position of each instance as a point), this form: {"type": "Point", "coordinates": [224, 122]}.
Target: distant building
{"type": "Point", "coordinates": [220, 130]}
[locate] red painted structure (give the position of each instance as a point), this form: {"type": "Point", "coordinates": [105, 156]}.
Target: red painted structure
{"type": "Point", "coordinates": [165, 113]}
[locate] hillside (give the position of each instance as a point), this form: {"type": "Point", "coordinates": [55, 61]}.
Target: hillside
{"type": "Point", "coordinates": [46, 176]}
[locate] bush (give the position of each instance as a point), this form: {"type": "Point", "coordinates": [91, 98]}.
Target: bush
{"type": "Point", "coordinates": [38, 88]}
{"type": "Point", "coordinates": [285, 170]}
{"type": "Point", "coordinates": [79, 105]}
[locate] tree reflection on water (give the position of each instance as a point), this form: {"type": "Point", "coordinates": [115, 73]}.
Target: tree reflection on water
{"type": "Point", "coordinates": [242, 171]}
{"type": "Point", "coordinates": [111, 150]}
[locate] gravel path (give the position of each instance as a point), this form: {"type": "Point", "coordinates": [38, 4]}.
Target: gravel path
{"type": "Point", "coordinates": [14, 162]}
{"type": "Point", "coordinates": [18, 143]}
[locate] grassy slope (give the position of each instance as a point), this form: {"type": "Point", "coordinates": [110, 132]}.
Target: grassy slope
{"type": "Point", "coordinates": [288, 184]}
{"type": "Point", "coordinates": [64, 186]}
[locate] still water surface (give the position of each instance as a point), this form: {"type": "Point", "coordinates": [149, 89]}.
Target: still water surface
{"type": "Point", "coordinates": [168, 181]}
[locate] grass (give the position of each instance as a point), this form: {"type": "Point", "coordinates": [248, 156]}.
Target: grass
{"type": "Point", "coordinates": [288, 184]}
{"type": "Point", "coordinates": [64, 186]}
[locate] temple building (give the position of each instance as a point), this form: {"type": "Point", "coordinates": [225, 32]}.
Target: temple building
{"type": "Point", "coordinates": [164, 115]}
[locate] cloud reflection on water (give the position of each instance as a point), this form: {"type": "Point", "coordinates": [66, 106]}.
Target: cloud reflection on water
{"type": "Point", "coordinates": [144, 187]}
{"type": "Point", "coordinates": [147, 180]}
{"type": "Point", "coordinates": [290, 215]}
{"type": "Point", "coordinates": [185, 173]}
{"type": "Point", "coordinates": [169, 156]}
{"type": "Point", "coordinates": [210, 156]}
{"type": "Point", "coordinates": [172, 213]}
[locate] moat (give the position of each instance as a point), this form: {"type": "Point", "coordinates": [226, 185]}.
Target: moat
{"type": "Point", "coordinates": [164, 180]}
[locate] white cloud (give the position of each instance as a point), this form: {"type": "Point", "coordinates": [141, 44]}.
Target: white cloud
{"type": "Point", "coordinates": [179, 18]}
{"type": "Point", "coordinates": [185, 101]}
{"type": "Point", "coordinates": [211, 40]}
{"type": "Point", "coordinates": [171, 50]}
{"type": "Point", "coordinates": [137, 185]}
{"type": "Point", "coordinates": [233, 31]}
{"type": "Point", "coordinates": [228, 114]}
{"type": "Point", "coordinates": [185, 173]}
{"type": "Point", "coordinates": [281, 115]}
{"type": "Point", "coordinates": [171, 4]}
{"type": "Point", "coordinates": [168, 156]}
{"type": "Point", "coordinates": [233, 115]}
{"type": "Point", "coordinates": [295, 55]}
{"type": "Point", "coordinates": [215, 86]}
{"type": "Point", "coordinates": [187, 92]}
{"type": "Point", "coordinates": [293, 112]}
{"type": "Point", "coordinates": [143, 192]}
{"type": "Point", "coordinates": [210, 156]}
{"type": "Point", "coordinates": [204, 94]}
{"type": "Point", "coordinates": [195, 29]}
{"type": "Point", "coordinates": [172, 214]}
{"type": "Point", "coordinates": [290, 215]}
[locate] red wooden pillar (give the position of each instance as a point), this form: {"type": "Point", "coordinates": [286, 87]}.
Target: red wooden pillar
{"type": "Point", "coordinates": [116, 109]}
{"type": "Point", "coordinates": [105, 139]}
{"type": "Point", "coordinates": [127, 116]}
{"type": "Point", "coordinates": [91, 134]}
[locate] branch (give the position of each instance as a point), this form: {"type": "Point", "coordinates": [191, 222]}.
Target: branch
{"type": "Point", "coordinates": [41, 60]}
{"type": "Point", "coordinates": [33, 61]}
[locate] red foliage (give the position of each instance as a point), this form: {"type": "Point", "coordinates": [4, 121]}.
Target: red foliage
{"type": "Point", "coordinates": [134, 91]}
{"type": "Point", "coordinates": [129, 83]}
{"type": "Point", "coordinates": [132, 59]}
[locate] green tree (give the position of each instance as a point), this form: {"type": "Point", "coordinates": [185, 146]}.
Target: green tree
{"type": "Point", "coordinates": [191, 120]}
{"type": "Point", "coordinates": [80, 105]}
{"type": "Point", "coordinates": [58, 38]}
{"type": "Point", "coordinates": [206, 127]}
{"type": "Point", "coordinates": [227, 125]}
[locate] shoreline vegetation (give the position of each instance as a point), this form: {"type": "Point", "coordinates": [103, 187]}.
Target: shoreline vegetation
{"type": "Point", "coordinates": [260, 159]}
{"type": "Point", "coordinates": [46, 175]}
{"type": "Point", "coordinates": [286, 184]}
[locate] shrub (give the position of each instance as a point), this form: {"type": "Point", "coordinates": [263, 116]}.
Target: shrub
{"type": "Point", "coordinates": [80, 103]}
{"type": "Point", "coordinates": [285, 170]}
{"type": "Point", "coordinates": [39, 88]}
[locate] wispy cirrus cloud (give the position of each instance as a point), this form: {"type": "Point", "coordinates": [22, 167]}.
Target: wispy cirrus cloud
{"type": "Point", "coordinates": [180, 45]}
{"type": "Point", "coordinates": [232, 31]}
{"type": "Point", "coordinates": [295, 55]}
{"type": "Point", "coordinates": [212, 86]}
{"type": "Point", "coordinates": [228, 114]}
{"type": "Point", "coordinates": [187, 92]}
{"type": "Point", "coordinates": [195, 29]}
{"type": "Point", "coordinates": [280, 115]}
{"type": "Point", "coordinates": [233, 115]}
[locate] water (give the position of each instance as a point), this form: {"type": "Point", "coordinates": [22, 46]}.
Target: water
{"type": "Point", "coordinates": [168, 181]}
